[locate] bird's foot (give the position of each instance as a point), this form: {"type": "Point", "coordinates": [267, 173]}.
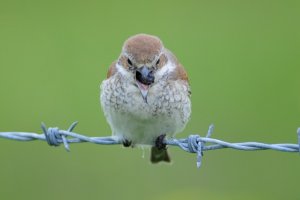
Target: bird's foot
{"type": "Point", "coordinates": [126, 143]}
{"type": "Point", "coordinates": [159, 142]}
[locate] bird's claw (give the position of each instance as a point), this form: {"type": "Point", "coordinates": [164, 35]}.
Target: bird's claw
{"type": "Point", "coordinates": [127, 143]}
{"type": "Point", "coordinates": [159, 142]}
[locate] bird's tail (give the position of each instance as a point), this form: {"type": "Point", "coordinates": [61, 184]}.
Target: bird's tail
{"type": "Point", "coordinates": [159, 155]}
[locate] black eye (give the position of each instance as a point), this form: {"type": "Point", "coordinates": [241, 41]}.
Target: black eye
{"type": "Point", "coordinates": [157, 62]}
{"type": "Point", "coordinates": [129, 61]}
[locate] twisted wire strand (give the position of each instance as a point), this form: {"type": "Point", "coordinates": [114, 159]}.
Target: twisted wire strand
{"type": "Point", "coordinates": [193, 144]}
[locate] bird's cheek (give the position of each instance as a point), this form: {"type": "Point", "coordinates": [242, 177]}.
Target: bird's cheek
{"type": "Point", "coordinates": [132, 78]}
{"type": "Point", "coordinates": [157, 78]}
{"type": "Point", "coordinates": [158, 75]}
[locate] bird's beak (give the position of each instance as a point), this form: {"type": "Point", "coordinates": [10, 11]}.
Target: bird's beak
{"type": "Point", "coordinates": [144, 78]}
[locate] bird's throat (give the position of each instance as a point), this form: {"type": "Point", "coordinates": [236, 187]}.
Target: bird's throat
{"type": "Point", "coordinates": [144, 90]}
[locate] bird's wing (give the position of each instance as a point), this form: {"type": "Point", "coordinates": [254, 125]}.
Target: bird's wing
{"type": "Point", "coordinates": [112, 70]}
{"type": "Point", "coordinates": [179, 73]}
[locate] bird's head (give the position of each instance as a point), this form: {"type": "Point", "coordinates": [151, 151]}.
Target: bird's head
{"type": "Point", "coordinates": [141, 60]}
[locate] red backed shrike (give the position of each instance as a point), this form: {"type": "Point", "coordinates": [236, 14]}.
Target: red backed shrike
{"type": "Point", "coordinates": [146, 95]}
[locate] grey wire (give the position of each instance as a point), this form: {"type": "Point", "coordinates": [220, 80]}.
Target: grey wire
{"type": "Point", "coordinates": [193, 144]}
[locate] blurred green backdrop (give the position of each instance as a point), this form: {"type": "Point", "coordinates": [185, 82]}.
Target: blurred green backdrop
{"type": "Point", "coordinates": [243, 60]}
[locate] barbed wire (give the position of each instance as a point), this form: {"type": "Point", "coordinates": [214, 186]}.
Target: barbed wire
{"type": "Point", "coordinates": [193, 143]}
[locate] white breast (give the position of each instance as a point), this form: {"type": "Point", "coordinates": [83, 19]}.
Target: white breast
{"type": "Point", "coordinates": [167, 111]}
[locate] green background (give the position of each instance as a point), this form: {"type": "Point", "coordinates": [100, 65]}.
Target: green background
{"type": "Point", "coordinates": [243, 60]}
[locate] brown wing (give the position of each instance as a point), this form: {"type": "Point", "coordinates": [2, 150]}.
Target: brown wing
{"type": "Point", "coordinates": [179, 73]}
{"type": "Point", "coordinates": [112, 70]}
{"type": "Point", "coordinates": [182, 75]}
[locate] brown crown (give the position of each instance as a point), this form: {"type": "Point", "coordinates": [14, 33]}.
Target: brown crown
{"type": "Point", "coordinates": [142, 48]}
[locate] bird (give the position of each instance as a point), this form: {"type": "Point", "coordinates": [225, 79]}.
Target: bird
{"type": "Point", "coordinates": [146, 95]}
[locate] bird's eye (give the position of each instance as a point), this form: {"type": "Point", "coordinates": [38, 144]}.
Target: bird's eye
{"type": "Point", "coordinates": [157, 62]}
{"type": "Point", "coordinates": [129, 61]}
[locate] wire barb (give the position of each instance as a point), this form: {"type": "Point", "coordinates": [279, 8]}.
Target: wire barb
{"type": "Point", "coordinates": [54, 137]}
{"type": "Point", "coordinates": [193, 144]}
{"type": "Point", "coordinates": [298, 132]}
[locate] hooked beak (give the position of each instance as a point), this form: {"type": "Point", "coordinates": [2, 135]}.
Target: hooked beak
{"type": "Point", "coordinates": [144, 78]}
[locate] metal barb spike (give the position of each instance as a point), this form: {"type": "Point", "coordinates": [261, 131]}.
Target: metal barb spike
{"type": "Point", "coordinates": [298, 132]}
{"type": "Point", "coordinates": [44, 128]}
{"type": "Point", "coordinates": [70, 129]}
{"type": "Point", "coordinates": [210, 130]}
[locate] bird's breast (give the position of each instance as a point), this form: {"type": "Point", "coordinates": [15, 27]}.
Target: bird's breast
{"type": "Point", "coordinates": [170, 99]}
{"type": "Point", "coordinates": [167, 109]}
